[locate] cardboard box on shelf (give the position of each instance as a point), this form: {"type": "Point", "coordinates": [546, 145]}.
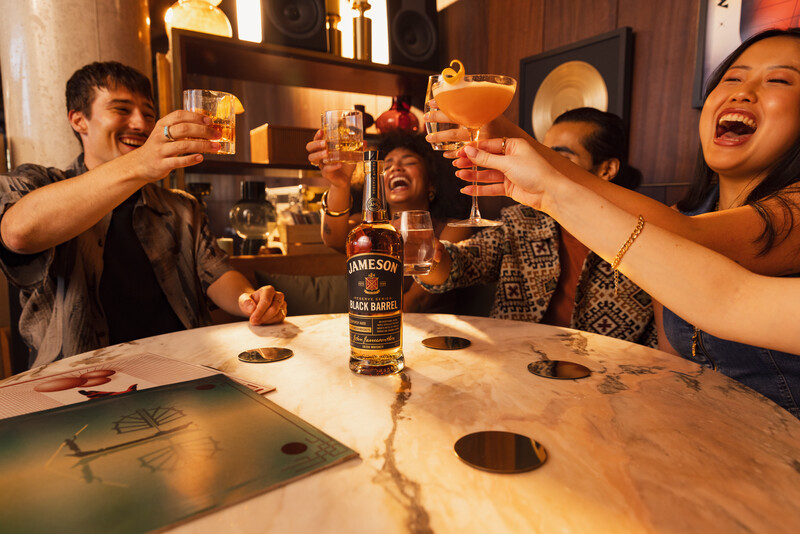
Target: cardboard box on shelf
{"type": "Point", "coordinates": [302, 239]}
{"type": "Point", "coordinates": [280, 145]}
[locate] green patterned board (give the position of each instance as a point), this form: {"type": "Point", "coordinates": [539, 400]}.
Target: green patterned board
{"type": "Point", "coordinates": [148, 459]}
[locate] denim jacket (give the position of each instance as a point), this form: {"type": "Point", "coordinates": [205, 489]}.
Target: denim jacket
{"type": "Point", "coordinates": [774, 374]}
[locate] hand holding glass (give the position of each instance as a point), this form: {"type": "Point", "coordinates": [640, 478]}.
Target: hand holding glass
{"type": "Point", "coordinates": [435, 127]}
{"type": "Point", "coordinates": [474, 101]}
{"type": "Point", "coordinates": [344, 135]}
{"type": "Point", "coordinates": [221, 107]}
{"type": "Point", "coordinates": [419, 242]}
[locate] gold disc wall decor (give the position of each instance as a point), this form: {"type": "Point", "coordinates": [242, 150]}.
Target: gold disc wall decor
{"type": "Point", "coordinates": [574, 84]}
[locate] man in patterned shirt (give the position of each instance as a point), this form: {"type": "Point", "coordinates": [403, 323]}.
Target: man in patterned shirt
{"type": "Point", "coordinates": [99, 252]}
{"type": "Point", "coordinates": [543, 274]}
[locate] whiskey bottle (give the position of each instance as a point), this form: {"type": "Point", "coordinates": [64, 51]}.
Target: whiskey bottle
{"type": "Point", "coordinates": [375, 281]}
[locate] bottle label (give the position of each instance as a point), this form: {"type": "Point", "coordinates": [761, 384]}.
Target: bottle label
{"type": "Point", "coordinates": [375, 290]}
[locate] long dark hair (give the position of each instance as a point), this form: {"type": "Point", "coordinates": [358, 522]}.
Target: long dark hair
{"type": "Point", "coordinates": [779, 180]}
{"type": "Point", "coordinates": [448, 203]}
{"type": "Point", "coordinates": [607, 141]}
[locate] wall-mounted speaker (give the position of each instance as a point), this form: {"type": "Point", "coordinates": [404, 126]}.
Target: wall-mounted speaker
{"type": "Point", "coordinates": [413, 33]}
{"type": "Point", "coordinates": [297, 23]}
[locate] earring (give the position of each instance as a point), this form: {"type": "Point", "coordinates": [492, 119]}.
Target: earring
{"type": "Point", "coordinates": [431, 195]}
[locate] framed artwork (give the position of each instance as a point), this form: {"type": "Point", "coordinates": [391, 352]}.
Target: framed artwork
{"type": "Point", "coordinates": [724, 24]}
{"type": "Point", "coordinates": [594, 72]}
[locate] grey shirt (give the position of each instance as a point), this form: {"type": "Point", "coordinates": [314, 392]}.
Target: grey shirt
{"type": "Point", "coordinates": [59, 288]}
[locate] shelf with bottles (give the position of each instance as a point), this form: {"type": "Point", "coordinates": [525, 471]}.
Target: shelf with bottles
{"type": "Point", "coordinates": [202, 54]}
{"type": "Point", "coordinates": [217, 165]}
{"type": "Point", "coordinates": [198, 56]}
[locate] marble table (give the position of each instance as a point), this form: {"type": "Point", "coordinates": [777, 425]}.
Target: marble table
{"type": "Point", "coordinates": [648, 443]}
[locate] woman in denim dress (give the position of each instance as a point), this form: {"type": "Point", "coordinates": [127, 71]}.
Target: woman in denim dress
{"type": "Point", "coordinates": [744, 202]}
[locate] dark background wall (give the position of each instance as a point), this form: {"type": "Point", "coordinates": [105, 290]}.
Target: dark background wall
{"type": "Point", "coordinates": [494, 35]}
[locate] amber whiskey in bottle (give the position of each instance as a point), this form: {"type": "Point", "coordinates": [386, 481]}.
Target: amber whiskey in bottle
{"type": "Point", "coordinates": [375, 281]}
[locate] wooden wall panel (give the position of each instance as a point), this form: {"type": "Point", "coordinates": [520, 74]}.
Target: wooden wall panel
{"type": "Point", "coordinates": [664, 137]}
{"type": "Point", "coordinates": [494, 35]}
{"type": "Point", "coordinates": [461, 26]}
{"type": "Point", "coordinates": [568, 21]}
{"type": "Point", "coordinates": [514, 31]}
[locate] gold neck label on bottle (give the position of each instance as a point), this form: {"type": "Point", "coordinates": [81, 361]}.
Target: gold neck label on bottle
{"type": "Point", "coordinates": [374, 197]}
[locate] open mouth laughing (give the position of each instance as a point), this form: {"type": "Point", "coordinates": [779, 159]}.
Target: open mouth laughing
{"type": "Point", "coordinates": [133, 141]}
{"type": "Point", "coordinates": [399, 182]}
{"type": "Point", "coordinates": [735, 127]}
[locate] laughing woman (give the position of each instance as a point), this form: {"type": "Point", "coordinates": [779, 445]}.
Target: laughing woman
{"type": "Point", "coordinates": [744, 202]}
{"type": "Point", "coordinates": [415, 178]}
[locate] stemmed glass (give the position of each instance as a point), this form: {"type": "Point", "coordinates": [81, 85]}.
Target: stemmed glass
{"type": "Point", "coordinates": [474, 101]}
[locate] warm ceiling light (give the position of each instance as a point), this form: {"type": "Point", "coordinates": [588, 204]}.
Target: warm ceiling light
{"type": "Point", "coordinates": [248, 20]}
{"type": "Point", "coordinates": [199, 16]}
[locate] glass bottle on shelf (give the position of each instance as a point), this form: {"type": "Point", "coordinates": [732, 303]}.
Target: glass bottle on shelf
{"type": "Point", "coordinates": [362, 31]}
{"type": "Point", "coordinates": [367, 118]}
{"type": "Point", "coordinates": [398, 117]}
{"type": "Point", "coordinates": [253, 217]}
{"type": "Point", "coordinates": [199, 190]}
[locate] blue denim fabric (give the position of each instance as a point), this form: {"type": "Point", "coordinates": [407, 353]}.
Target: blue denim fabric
{"type": "Point", "coordinates": [776, 375]}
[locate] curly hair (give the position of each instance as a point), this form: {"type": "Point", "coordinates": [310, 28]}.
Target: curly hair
{"type": "Point", "coordinates": [448, 203]}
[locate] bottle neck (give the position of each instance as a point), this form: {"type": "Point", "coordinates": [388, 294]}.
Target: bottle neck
{"type": "Point", "coordinates": [374, 207]}
{"type": "Point", "coordinates": [401, 103]}
{"type": "Point", "coordinates": [254, 191]}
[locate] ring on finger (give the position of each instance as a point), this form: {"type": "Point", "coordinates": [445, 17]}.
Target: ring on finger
{"type": "Point", "coordinates": [503, 148]}
{"type": "Point", "coordinates": [167, 134]}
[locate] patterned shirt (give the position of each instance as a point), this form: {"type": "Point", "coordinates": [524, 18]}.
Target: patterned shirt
{"type": "Point", "coordinates": [522, 257]}
{"type": "Point", "coordinates": [59, 288]}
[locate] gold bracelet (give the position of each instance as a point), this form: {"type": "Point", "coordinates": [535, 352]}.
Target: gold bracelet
{"type": "Point", "coordinates": [335, 213]}
{"type": "Point", "coordinates": [623, 250]}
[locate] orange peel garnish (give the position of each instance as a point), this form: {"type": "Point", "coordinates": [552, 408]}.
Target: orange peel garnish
{"type": "Point", "coordinates": [452, 76]}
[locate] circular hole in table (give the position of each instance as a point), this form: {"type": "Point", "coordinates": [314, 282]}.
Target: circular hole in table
{"type": "Point", "coordinates": [266, 355]}
{"type": "Point", "coordinates": [559, 369]}
{"type": "Point", "coordinates": [500, 452]}
{"type": "Point", "coordinates": [446, 342]}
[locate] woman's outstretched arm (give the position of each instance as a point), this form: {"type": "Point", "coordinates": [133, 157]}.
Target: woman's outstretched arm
{"type": "Point", "coordinates": [704, 287]}
{"type": "Point", "coordinates": [732, 232]}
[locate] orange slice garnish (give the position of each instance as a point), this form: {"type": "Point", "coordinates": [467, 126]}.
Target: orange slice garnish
{"type": "Point", "coordinates": [452, 76]}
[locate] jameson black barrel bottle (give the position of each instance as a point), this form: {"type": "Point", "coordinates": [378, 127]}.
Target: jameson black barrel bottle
{"type": "Point", "coordinates": [375, 282]}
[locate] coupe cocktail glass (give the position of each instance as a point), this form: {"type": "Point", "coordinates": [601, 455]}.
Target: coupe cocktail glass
{"type": "Point", "coordinates": [474, 101]}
